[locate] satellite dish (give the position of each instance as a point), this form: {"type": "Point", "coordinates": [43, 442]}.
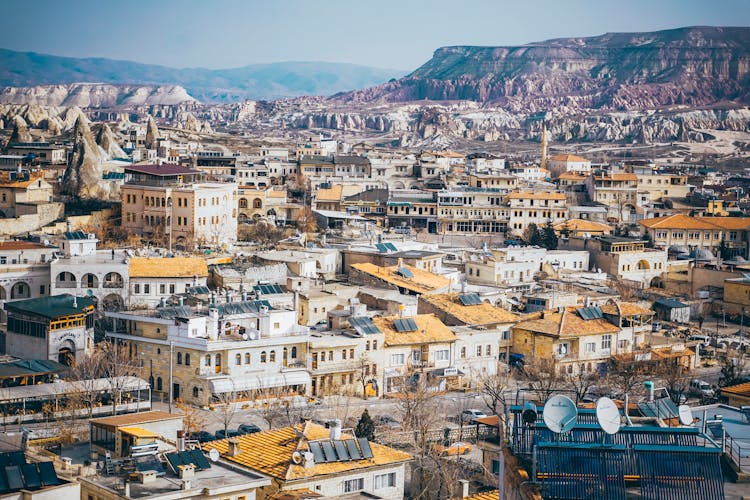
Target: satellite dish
{"type": "Point", "coordinates": [213, 454]}
{"type": "Point", "coordinates": [297, 457]}
{"type": "Point", "coordinates": [529, 415]}
{"type": "Point", "coordinates": [560, 414]}
{"type": "Point", "coordinates": [686, 416]}
{"type": "Point", "coordinates": [608, 415]}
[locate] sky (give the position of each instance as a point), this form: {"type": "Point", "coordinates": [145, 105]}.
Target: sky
{"type": "Point", "coordinates": [395, 34]}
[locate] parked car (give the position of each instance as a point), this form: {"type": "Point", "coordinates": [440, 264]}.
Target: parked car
{"type": "Point", "coordinates": [220, 434]}
{"type": "Point", "coordinates": [701, 388]}
{"type": "Point", "coordinates": [457, 448]}
{"type": "Point", "coordinates": [248, 429]}
{"type": "Point", "coordinates": [471, 415]}
{"type": "Point", "coordinates": [201, 436]}
{"type": "Point", "coordinates": [387, 421]}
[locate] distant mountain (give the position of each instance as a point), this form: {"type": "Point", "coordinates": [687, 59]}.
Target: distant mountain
{"type": "Point", "coordinates": [257, 81]}
{"type": "Point", "coordinates": [692, 66]}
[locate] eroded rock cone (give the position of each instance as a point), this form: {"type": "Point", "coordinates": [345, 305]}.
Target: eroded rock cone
{"type": "Point", "coordinates": [107, 142]}
{"type": "Point", "coordinates": [20, 131]}
{"type": "Point", "coordinates": [152, 133]}
{"type": "Point", "coordinates": [82, 178]}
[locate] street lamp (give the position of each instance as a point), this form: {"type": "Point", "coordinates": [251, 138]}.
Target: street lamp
{"type": "Point", "coordinates": [169, 222]}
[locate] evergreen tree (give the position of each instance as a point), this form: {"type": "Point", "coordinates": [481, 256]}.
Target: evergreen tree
{"type": "Point", "coordinates": [549, 237]}
{"type": "Point", "coordinates": [365, 426]}
{"type": "Point", "coordinates": [532, 236]}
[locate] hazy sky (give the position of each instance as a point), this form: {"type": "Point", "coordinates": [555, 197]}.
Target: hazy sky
{"type": "Point", "coordinates": [399, 34]}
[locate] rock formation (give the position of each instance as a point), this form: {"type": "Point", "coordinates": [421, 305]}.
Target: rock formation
{"type": "Point", "coordinates": [20, 131]}
{"type": "Point", "coordinates": [83, 177]}
{"type": "Point", "coordinates": [95, 95]}
{"type": "Point", "coordinates": [108, 144]}
{"type": "Point", "coordinates": [152, 133]}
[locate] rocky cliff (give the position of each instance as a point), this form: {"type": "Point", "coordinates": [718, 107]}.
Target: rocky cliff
{"type": "Point", "coordinates": [694, 66]}
{"type": "Point", "coordinates": [95, 95]}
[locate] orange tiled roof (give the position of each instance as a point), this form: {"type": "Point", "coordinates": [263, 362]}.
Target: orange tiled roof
{"type": "Point", "coordinates": [617, 177]}
{"type": "Point", "coordinates": [20, 245]}
{"type": "Point", "coordinates": [421, 282]}
{"type": "Point", "coordinates": [136, 418]}
{"type": "Point", "coordinates": [567, 324]}
{"type": "Point", "coordinates": [681, 221]}
{"type": "Point", "coordinates": [485, 495]}
{"type": "Point", "coordinates": [738, 390]}
{"type": "Point", "coordinates": [583, 226]}
{"type": "Point", "coordinates": [330, 194]}
{"type": "Point", "coordinates": [162, 267]}
{"type": "Point", "coordinates": [6, 182]}
{"type": "Point", "coordinates": [270, 453]}
{"type": "Point", "coordinates": [429, 330]}
{"type": "Point", "coordinates": [568, 158]}
{"type": "Point", "coordinates": [572, 176]}
{"type": "Point", "coordinates": [480, 314]}
{"type": "Point", "coordinates": [626, 309]}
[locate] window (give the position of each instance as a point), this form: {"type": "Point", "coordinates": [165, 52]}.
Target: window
{"type": "Point", "coordinates": [208, 360]}
{"type": "Point", "coordinates": [385, 480]}
{"type": "Point", "coordinates": [442, 355]}
{"type": "Point", "coordinates": [195, 392]}
{"type": "Point", "coordinates": [367, 345]}
{"type": "Point", "coordinates": [590, 346]}
{"type": "Point", "coordinates": [343, 353]}
{"type": "Point", "coordinates": [171, 288]}
{"type": "Point", "coordinates": [179, 358]}
{"type": "Point", "coordinates": [354, 485]}
{"type": "Point", "coordinates": [162, 288]}
{"type": "Point", "coordinates": [374, 345]}
{"type": "Point", "coordinates": [488, 350]}
{"type": "Point", "coordinates": [238, 359]}
{"type": "Point", "coordinates": [463, 352]}
{"type": "Point", "coordinates": [294, 352]}
{"type": "Point", "coordinates": [272, 357]}
{"type": "Point", "coordinates": [479, 350]}
{"type": "Point", "coordinates": [146, 288]}
{"type": "Point", "coordinates": [397, 359]}
{"type": "Point", "coordinates": [187, 359]}
{"type": "Point", "coordinates": [137, 288]}
{"type": "Point", "coordinates": [263, 356]}
{"type": "Point", "coordinates": [495, 467]}
{"type": "Point", "coordinates": [606, 341]}
{"type": "Point", "coordinates": [158, 384]}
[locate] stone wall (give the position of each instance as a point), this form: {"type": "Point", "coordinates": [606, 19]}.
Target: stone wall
{"type": "Point", "coordinates": [31, 222]}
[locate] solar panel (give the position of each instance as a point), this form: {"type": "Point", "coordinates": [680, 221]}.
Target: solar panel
{"type": "Point", "coordinates": [391, 246]}
{"type": "Point", "coordinates": [316, 451]}
{"type": "Point", "coordinates": [406, 273]}
{"type": "Point", "coordinates": [341, 451]}
{"type": "Point", "coordinates": [382, 248]}
{"type": "Point", "coordinates": [16, 458]}
{"type": "Point", "coordinates": [174, 460]}
{"type": "Point", "coordinates": [175, 312]}
{"type": "Point", "coordinates": [363, 325]}
{"type": "Point", "coordinates": [328, 451]}
{"type": "Point", "coordinates": [49, 476]}
{"type": "Point", "coordinates": [470, 299]}
{"type": "Point", "coordinates": [13, 473]}
{"type": "Point", "coordinates": [149, 462]}
{"type": "Point", "coordinates": [31, 476]}
{"type": "Point", "coordinates": [364, 445]}
{"type": "Point", "coordinates": [588, 313]}
{"type": "Point", "coordinates": [199, 459]}
{"type": "Point", "coordinates": [354, 453]}
{"type": "Point", "coordinates": [4, 484]}
{"type": "Point", "coordinates": [404, 325]}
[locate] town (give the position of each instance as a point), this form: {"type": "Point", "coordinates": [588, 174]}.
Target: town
{"type": "Point", "coordinates": [327, 318]}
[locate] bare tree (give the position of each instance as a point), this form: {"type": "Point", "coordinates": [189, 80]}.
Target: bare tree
{"type": "Point", "coordinates": [543, 378]}
{"type": "Point", "coordinates": [582, 381]}
{"type": "Point", "coordinates": [364, 373]}
{"type": "Point", "coordinates": [226, 408]}
{"type": "Point", "coordinates": [118, 367]}
{"type": "Point", "coordinates": [625, 373]}
{"type": "Point", "coordinates": [193, 420]}
{"type": "Point", "coordinates": [493, 389]}
{"type": "Point", "coordinates": [83, 375]}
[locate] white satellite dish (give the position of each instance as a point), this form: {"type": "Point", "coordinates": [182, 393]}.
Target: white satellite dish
{"type": "Point", "coordinates": [608, 415]}
{"type": "Point", "coordinates": [686, 416]}
{"type": "Point", "coordinates": [213, 454]}
{"type": "Point", "coordinates": [560, 414]}
{"type": "Point", "coordinates": [297, 457]}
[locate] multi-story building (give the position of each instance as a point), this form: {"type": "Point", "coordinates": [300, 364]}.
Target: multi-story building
{"type": "Point", "coordinates": [21, 192]}
{"type": "Point", "coordinates": [168, 202]}
{"type": "Point", "coordinates": [514, 266]}
{"type": "Point", "coordinates": [559, 164]}
{"type": "Point", "coordinates": [44, 152]}
{"type": "Point", "coordinates": [722, 236]}
{"type": "Point", "coordinates": [577, 339]}
{"type": "Point", "coordinates": [654, 185]}
{"type": "Point", "coordinates": [471, 211]}
{"type": "Point", "coordinates": [537, 207]}
{"type": "Point", "coordinates": [238, 350]}
{"type": "Point", "coordinates": [359, 469]}
{"type": "Point", "coordinates": [406, 279]}
{"type": "Point", "coordinates": [412, 208]}
{"type": "Point", "coordinates": [418, 344]}
{"type": "Point", "coordinates": [59, 328]}
{"type": "Point", "coordinates": [151, 280]}
{"type": "Point", "coordinates": [24, 270]}
{"type": "Point", "coordinates": [497, 179]}
{"type": "Point", "coordinates": [618, 191]}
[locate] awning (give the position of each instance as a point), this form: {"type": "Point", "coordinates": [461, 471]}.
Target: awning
{"type": "Point", "coordinates": [138, 432]}
{"type": "Point", "coordinates": [260, 382]}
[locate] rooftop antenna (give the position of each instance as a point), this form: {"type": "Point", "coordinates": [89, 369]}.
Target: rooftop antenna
{"type": "Point", "coordinates": [608, 416]}
{"type": "Point", "coordinates": [560, 414]}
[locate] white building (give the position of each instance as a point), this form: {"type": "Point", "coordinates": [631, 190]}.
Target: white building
{"type": "Point", "coordinates": [155, 278]}
{"type": "Point", "coordinates": [24, 270]}
{"type": "Point", "coordinates": [568, 163]}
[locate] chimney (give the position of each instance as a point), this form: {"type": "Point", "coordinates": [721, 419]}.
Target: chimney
{"type": "Point", "coordinates": [400, 262]}
{"type": "Point", "coordinates": [244, 296]}
{"type": "Point", "coordinates": [182, 301]}
{"type": "Point", "coordinates": [229, 296]}
{"type": "Point", "coordinates": [163, 302]}
{"type": "Point", "coordinates": [187, 471]}
{"type": "Point", "coordinates": [650, 387]}
{"type": "Point", "coordinates": [464, 484]}
{"type": "Point", "coordinates": [75, 302]}
{"type": "Point", "coordinates": [126, 492]}
{"type": "Point", "coordinates": [308, 459]}
{"type": "Point", "coordinates": [335, 429]}
{"type": "Point", "coordinates": [234, 447]}
{"type": "Point", "coordinates": [185, 485]}
{"type": "Point", "coordinates": [180, 440]}
{"type": "Point", "coordinates": [69, 226]}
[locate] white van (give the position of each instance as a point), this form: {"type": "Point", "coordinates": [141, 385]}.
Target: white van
{"type": "Point", "coordinates": [701, 389]}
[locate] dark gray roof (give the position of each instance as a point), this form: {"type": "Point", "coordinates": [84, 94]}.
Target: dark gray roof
{"type": "Point", "coordinates": [75, 235]}
{"type": "Point", "coordinates": [50, 307]}
{"type": "Point", "coordinates": [670, 303]}
{"type": "Point", "coordinates": [351, 160]}
{"type": "Point", "coordinates": [161, 170]}
{"type": "Point", "coordinates": [25, 367]}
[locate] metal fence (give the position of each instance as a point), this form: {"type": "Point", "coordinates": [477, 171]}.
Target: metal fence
{"type": "Point", "coordinates": [469, 433]}
{"type": "Point", "coordinates": [739, 452]}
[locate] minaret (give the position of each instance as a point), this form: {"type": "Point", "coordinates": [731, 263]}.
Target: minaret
{"type": "Point", "coordinates": [544, 145]}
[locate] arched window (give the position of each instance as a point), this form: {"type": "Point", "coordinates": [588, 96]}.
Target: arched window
{"type": "Point", "coordinates": [263, 356]}
{"type": "Point", "coordinates": [272, 357]}
{"type": "Point", "coordinates": [247, 358]}
{"type": "Point", "coordinates": [374, 345]}
{"type": "Point", "coordinates": [463, 351]}
{"type": "Point", "coordinates": [158, 384]}
{"type": "Point", "coordinates": [179, 358]}
{"type": "Point", "coordinates": [294, 352]}
{"type": "Point", "coordinates": [218, 360]}
{"type": "Point", "coordinates": [208, 360]}
{"type": "Point", "coordinates": [257, 203]}
{"type": "Point", "coordinates": [237, 359]}
{"type": "Point", "coordinates": [195, 392]}
{"type": "Point", "coordinates": [187, 359]}
{"type": "Point", "coordinates": [243, 202]}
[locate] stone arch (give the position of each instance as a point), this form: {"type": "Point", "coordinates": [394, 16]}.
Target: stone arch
{"type": "Point", "coordinates": [399, 185]}
{"type": "Point", "coordinates": [657, 282]}
{"type": "Point", "coordinates": [643, 264]}
{"type": "Point", "coordinates": [66, 354]}
{"type": "Point", "coordinates": [89, 280]}
{"type": "Point", "coordinates": [112, 302]}
{"type": "Point", "coordinates": [113, 280]}
{"type": "Point", "coordinates": [20, 290]}
{"type": "Point", "coordinates": [3, 293]}
{"type": "Point", "coordinates": [257, 203]}
{"type": "Point", "coordinates": [242, 218]}
{"type": "Point", "coordinates": [66, 279]}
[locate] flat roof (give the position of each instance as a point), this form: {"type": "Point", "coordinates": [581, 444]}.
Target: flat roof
{"type": "Point", "coordinates": [133, 419]}
{"type": "Point", "coordinates": [59, 388]}
{"type": "Point", "coordinates": [161, 170]}
{"type": "Point", "coordinates": [51, 307]}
